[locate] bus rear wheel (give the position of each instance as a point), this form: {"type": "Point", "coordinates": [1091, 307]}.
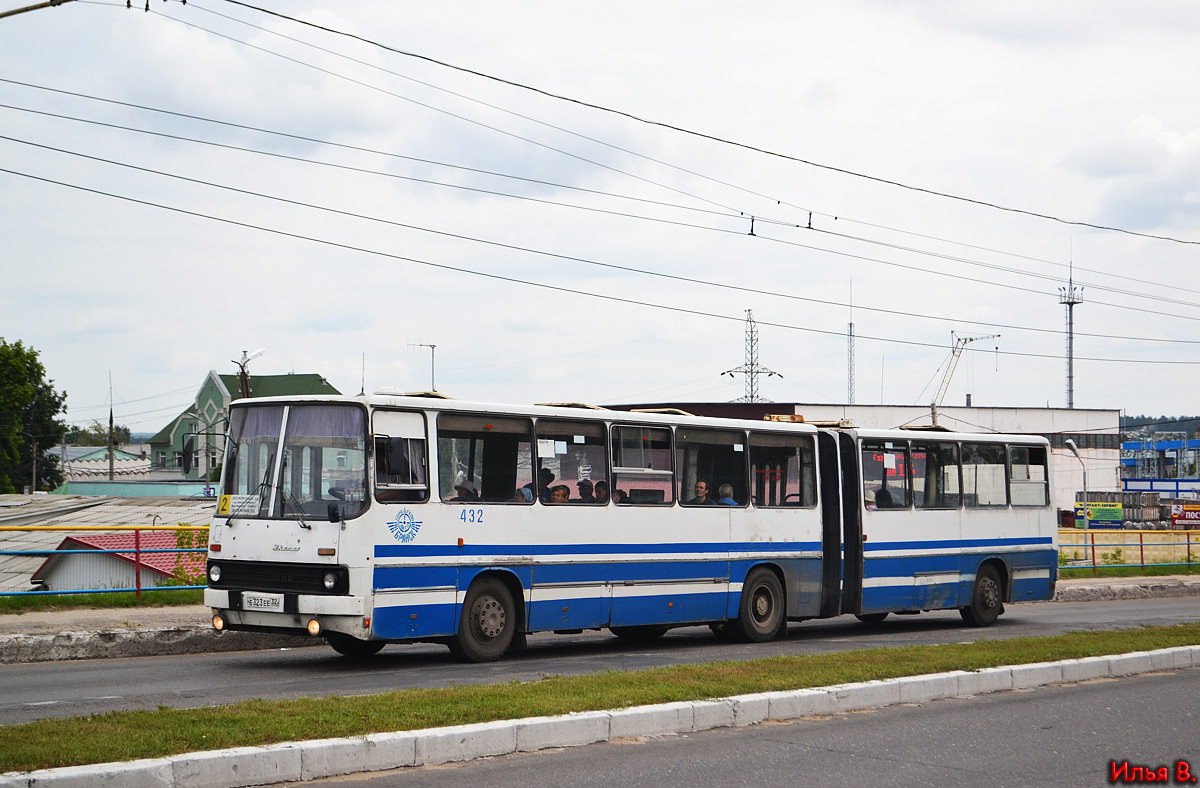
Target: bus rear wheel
{"type": "Point", "coordinates": [760, 613]}
{"type": "Point", "coordinates": [987, 599]}
{"type": "Point", "coordinates": [352, 647]}
{"type": "Point", "coordinates": [487, 622]}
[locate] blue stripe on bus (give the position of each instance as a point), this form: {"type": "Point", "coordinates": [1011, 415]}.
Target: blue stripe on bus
{"type": "Point", "coordinates": [475, 551]}
{"type": "Point", "coordinates": [935, 544]}
{"type": "Point", "coordinates": [415, 577]}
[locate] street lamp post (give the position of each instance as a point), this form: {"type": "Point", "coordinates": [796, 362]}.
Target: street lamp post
{"type": "Point", "coordinates": [1075, 450]}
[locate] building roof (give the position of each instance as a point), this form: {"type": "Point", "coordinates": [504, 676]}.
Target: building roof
{"type": "Point", "coordinates": [164, 564]}
{"type": "Point", "coordinates": [69, 511]}
{"type": "Point", "coordinates": [280, 385]}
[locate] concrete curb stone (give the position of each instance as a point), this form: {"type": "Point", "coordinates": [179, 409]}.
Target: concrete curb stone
{"type": "Point", "coordinates": [249, 766]}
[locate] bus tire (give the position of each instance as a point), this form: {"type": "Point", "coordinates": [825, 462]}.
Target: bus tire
{"type": "Point", "coordinates": [761, 610]}
{"type": "Point", "coordinates": [871, 619]}
{"type": "Point", "coordinates": [643, 633]}
{"type": "Point", "coordinates": [486, 624]}
{"type": "Point", "coordinates": [352, 647]}
{"type": "Point", "coordinates": [987, 598]}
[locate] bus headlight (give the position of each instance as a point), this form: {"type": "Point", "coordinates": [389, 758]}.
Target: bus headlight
{"type": "Point", "coordinates": [330, 581]}
{"type": "Point", "coordinates": [214, 573]}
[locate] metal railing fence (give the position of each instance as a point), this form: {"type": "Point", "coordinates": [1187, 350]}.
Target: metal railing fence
{"type": "Point", "coordinates": [1096, 548]}
{"type": "Point", "coordinates": [136, 550]}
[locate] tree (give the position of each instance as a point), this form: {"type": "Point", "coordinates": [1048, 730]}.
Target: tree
{"type": "Point", "coordinates": [96, 434]}
{"type": "Point", "coordinates": [29, 407]}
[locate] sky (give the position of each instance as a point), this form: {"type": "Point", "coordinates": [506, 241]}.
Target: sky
{"type": "Point", "coordinates": [181, 185]}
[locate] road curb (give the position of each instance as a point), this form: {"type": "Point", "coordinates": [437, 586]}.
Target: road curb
{"type": "Point", "coordinates": [298, 761]}
{"type": "Point", "coordinates": [141, 642]}
{"type": "Point", "coordinates": [1142, 588]}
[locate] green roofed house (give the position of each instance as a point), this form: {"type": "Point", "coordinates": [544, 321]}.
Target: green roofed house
{"type": "Point", "coordinates": [204, 421]}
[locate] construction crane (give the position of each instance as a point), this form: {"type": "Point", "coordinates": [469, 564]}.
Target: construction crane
{"type": "Point", "coordinates": [955, 353]}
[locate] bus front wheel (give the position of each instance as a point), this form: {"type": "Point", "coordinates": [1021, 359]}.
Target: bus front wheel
{"type": "Point", "coordinates": [760, 614]}
{"type": "Point", "coordinates": [987, 598]}
{"type": "Point", "coordinates": [487, 622]}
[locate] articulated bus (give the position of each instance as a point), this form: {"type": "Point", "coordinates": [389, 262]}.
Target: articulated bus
{"type": "Point", "coordinates": [394, 518]}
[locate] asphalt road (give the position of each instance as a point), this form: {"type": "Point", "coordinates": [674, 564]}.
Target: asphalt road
{"type": "Point", "coordinates": [1065, 736]}
{"type": "Point", "coordinates": [58, 689]}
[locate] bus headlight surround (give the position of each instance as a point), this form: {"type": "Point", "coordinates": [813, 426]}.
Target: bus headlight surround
{"type": "Point", "coordinates": [214, 573]}
{"type": "Point", "coordinates": [330, 581]}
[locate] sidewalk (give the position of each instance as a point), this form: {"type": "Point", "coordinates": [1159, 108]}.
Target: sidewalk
{"type": "Point", "coordinates": [139, 632]}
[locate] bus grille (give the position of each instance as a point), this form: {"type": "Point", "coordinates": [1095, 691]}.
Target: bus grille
{"type": "Point", "coordinates": [279, 577]}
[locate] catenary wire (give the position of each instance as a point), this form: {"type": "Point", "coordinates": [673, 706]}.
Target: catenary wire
{"type": "Point", "coordinates": [630, 269]}
{"type": "Point", "coordinates": [721, 140]}
{"type": "Point", "coordinates": [655, 160]}
{"type": "Point", "coordinates": [560, 288]}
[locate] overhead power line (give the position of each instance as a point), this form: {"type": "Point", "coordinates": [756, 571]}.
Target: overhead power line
{"type": "Point", "coordinates": [546, 286]}
{"type": "Point", "coordinates": [612, 266]}
{"type": "Point", "coordinates": [711, 137]}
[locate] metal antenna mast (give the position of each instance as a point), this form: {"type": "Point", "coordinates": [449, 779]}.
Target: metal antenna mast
{"type": "Point", "coordinates": [850, 350]}
{"type": "Point", "coordinates": [1069, 296]}
{"type": "Point", "coordinates": [751, 369]}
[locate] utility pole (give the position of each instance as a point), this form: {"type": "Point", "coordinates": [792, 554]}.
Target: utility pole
{"type": "Point", "coordinates": [34, 7]}
{"type": "Point", "coordinates": [1069, 297]}
{"type": "Point", "coordinates": [33, 462]}
{"type": "Point", "coordinates": [111, 474]}
{"type": "Point", "coordinates": [751, 369]}
{"type": "Point", "coordinates": [850, 351]}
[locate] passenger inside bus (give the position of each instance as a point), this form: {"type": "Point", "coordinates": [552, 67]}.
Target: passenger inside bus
{"type": "Point", "coordinates": [585, 491]}
{"type": "Point", "coordinates": [725, 491]}
{"type": "Point", "coordinates": [560, 493]}
{"type": "Point", "coordinates": [601, 491]}
{"type": "Point", "coordinates": [701, 498]}
{"type": "Point", "coordinates": [883, 499]}
{"type": "Point", "coordinates": [466, 491]}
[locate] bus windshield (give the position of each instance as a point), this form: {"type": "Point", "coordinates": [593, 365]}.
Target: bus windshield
{"type": "Point", "coordinates": [320, 469]}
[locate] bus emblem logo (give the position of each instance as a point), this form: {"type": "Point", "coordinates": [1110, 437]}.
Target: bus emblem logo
{"type": "Point", "coordinates": [404, 527]}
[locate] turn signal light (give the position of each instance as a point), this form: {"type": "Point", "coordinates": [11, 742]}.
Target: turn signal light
{"type": "Point", "coordinates": [216, 548]}
{"type": "Point", "coordinates": [218, 622]}
{"type": "Point", "coordinates": [314, 627]}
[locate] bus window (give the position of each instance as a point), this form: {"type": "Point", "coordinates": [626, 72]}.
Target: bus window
{"type": "Point", "coordinates": [782, 470]}
{"type": "Point", "coordinates": [714, 458]}
{"type": "Point", "coordinates": [642, 466]}
{"type": "Point", "coordinates": [324, 461]}
{"type": "Point", "coordinates": [983, 475]}
{"type": "Point", "coordinates": [483, 459]}
{"type": "Point", "coordinates": [573, 451]}
{"type": "Point", "coordinates": [1029, 482]}
{"type": "Point", "coordinates": [401, 467]}
{"type": "Point", "coordinates": [885, 474]}
{"type": "Point", "coordinates": [254, 433]}
{"type": "Point", "coordinates": [935, 475]}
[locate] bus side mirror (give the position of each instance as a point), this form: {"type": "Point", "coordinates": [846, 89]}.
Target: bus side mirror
{"type": "Point", "coordinates": [189, 452]}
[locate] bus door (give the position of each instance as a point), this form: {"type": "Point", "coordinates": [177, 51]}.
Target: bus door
{"type": "Point", "coordinates": [852, 533]}
{"type": "Point", "coordinates": [831, 523]}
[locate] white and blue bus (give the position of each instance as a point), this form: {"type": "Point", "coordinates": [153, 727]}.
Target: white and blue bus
{"type": "Point", "coordinates": [393, 518]}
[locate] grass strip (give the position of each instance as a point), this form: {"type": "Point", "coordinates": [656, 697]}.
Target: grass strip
{"type": "Point", "coordinates": [127, 735]}
{"type": "Point", "coordinates": [121, 599]}
{"type": "Point", "coordinates": [1074, 572]}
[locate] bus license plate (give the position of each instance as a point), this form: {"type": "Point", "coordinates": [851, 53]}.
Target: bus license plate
{"type": "Point", "coordinates": [270, 603]}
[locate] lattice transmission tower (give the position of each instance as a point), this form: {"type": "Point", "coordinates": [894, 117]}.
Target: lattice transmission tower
{"type": "Point", "coordinates": [751, 369]}
{"type": "Point", "coordinates": [1070, 296]}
